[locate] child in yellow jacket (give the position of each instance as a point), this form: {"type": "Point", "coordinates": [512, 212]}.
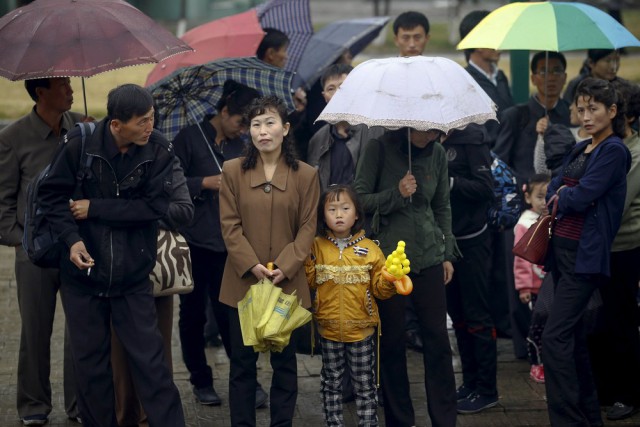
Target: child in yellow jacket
{"type": "Point", "coordinates": [344, 268]}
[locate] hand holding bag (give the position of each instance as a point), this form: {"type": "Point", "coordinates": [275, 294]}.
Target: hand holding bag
{"type": "Point", "coordinates": [533, 245]}
{"type": "Point", "coordinates": [172, 273]}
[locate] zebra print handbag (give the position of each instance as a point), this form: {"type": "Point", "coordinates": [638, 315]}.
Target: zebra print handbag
{"type": "Point", "coordinates": [172, 273]}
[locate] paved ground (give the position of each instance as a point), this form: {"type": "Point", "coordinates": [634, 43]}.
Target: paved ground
{"type": "Point", "coordinates": [521, 401]}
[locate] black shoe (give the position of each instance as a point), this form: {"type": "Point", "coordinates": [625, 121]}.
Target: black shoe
{"type": "Point", "coordinates": [413, 340]}
{"type": "Point", "coordinates": [261, 397]}
{"type": "Point", "coordinates": [475, 403]}
{"type": "Point", "coordinates": [75, 418]}
{"type": "Point", "coordinates": [207, 396]}
{"type": "Point", "coordinates": [620, 411]}
{"type": "Point", "coordinates": [463, 392]}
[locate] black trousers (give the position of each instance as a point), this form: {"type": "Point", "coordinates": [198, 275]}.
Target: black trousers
{"type": "Point", "coordinates": [571, 392]}
{"type": "Point", "coordinates": [615, 350]}
{"type": "Point", "coordinates": [134, 320]}
{"type": "Point", "coordinates": [429, 300]}
{"type": "Point", "coordinates": [243, 381]}
{"type": "Point", "coordinates": [208, 267]}
{"type": "Point", "coordinates": [468, 297]}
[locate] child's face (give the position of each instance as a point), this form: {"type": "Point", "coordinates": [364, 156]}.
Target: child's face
{"type": "Point", "coordinates": [536, 198]}
{"type": "Point", "coordinates": [340, 215]}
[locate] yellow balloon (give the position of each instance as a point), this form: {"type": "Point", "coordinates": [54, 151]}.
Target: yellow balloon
{"type": "Point", "coordinates": [406, 262]}
{"type": "Point", "coordinates": [401, 243]}
{"type": "Point", "coordinates": [406, 270]}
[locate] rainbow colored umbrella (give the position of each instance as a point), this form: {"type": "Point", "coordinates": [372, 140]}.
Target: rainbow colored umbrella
{"type": "Point", "coordinates": [550, 26]}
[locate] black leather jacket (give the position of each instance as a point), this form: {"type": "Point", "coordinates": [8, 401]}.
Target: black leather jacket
{"type": "Point", "coordinates": [120, 232]}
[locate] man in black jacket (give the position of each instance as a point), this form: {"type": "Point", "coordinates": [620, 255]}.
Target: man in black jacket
{"type": "Point", "coordinates": [111, 231]}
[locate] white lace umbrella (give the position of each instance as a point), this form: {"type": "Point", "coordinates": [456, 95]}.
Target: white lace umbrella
{"type": "Point", "coordinates": [419, 92]}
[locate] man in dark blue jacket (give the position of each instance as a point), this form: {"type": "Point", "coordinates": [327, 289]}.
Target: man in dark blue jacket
{"type": "Point", "coordinates": [110, 231]}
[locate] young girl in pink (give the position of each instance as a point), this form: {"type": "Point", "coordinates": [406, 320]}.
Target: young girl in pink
{"type": "Point", "coordinates": [528, 276]}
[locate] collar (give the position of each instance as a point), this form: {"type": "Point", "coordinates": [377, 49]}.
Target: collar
{"type": "Point", "coordinates": [535, 98]}
{"type": "Point", "coordinates": [110, 146]}
{"type": "Point", "coordinates": [492, 77]}
{"type": "Point", "coordinates": [43, 130]}
{"type": "Point", "coordinates": [279, 180]}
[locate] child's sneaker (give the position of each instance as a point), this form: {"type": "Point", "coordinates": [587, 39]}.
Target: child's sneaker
{"type": "Point", "coordinates": [537, 373]}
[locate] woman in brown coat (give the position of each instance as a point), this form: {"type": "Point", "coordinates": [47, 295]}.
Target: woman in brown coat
{"type": "Point", "coordinates": [268, 204]}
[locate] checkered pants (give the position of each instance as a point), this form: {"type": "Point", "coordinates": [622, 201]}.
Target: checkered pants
{"type": "Point", "coordinates": [359, 357]}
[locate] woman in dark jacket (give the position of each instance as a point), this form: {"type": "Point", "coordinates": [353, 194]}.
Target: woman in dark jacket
{"type": "Point", "coordinates": [468, 294]}
{"type": "Point", "coordinates": [591, 192]}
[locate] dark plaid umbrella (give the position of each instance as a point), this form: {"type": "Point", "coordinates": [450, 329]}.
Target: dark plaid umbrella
{"type": "Point", "coordinates": [189, 94]}
{"type": "Point", "coordinates": [331, 41]}
{"type": "Point", "coordinates": [293, 18]}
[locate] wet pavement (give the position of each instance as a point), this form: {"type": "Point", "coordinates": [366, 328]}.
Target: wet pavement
{"type": "Point", "coordinates": [521, 400]}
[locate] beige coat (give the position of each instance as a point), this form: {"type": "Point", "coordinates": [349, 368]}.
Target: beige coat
{"type": "Point", "coordinates": [259, 227]}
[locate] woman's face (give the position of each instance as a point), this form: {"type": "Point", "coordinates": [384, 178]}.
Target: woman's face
{"type": "Point", "coordinates": [421, 138]}
{"type": "Point", "coordinates": [268, 131]}
{"type": "Point", "coordinates": [606, 68]}
{"type": "Point", "coordinates": [595, 116]}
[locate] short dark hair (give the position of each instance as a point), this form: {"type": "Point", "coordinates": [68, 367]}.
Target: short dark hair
{"type": "Point", "coordinates": [539, 178]}
{"type": "Point", "coordinates": [273, 38]}
{"type": "Point", "coordinates": [468, 23]}
{"type": "Point", "coordinates": [605, 92]}
{"type": "Point", "coordinates": [543, 55]}
{"type": "Point", "coordinates": [334, 71]}
{"type": "Point", "coordinates": [127, 101]}
{"type": "Point", "coordinates": [410, 20]}
{"type": "Point", "coordinates": [596, 55]}
{"type": "Point", "coordinates": [236, 97]}
{"type": "Point", "coordinates": [33, 84]}
{"type": "Point", "coordinates": [260, 106]}
{"type": "Point", "coordinates": [333, 193]}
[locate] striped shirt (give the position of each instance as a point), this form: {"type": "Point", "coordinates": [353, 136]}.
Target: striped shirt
{"type": "Point", "coordinates": [568, 228]}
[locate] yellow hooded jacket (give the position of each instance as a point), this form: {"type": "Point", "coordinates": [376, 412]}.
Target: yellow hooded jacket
{"type": "Point", "coordinates": [346, 283]}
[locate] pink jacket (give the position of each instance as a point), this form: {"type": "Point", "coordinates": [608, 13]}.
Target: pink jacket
{"type": "Point", "coordinates": [528, 277]}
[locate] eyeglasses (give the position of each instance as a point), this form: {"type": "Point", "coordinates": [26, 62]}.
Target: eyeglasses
{"type": "Point", "coordinates": [554, 72]}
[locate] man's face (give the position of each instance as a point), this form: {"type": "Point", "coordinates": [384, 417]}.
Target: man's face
{"type": "Point", "coordinates": [58, 97]}
{"type": "Point", "coordinates": [411, 42]}
{"type": "Point", "coordinates": [331, 86]}
{"type": "Point", "coordinates": [489, 55]}
{"type": "Point", "coordinates": [277, 58]}
{"type": "Point", "coordinates": [136, 130]}
{"type": "Point", "coordinates": [556, 77]}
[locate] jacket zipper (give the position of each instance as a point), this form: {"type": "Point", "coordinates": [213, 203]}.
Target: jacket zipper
{"type": "Point", "coordinates": [115, 177]}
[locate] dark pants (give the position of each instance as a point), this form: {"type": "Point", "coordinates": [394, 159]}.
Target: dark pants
{"type": "Point", "coordinates": [208, 267]}
{"type": "Point", "coordinates": [519, 313]}
{"type": "Point", "coordinates": [129, 411]}
{"type": "Point", "coordinates": [615, 350]}
{"type": "Point", "coordinates": [134, 320]}
{"type": "Point", "coordinates": [468, 299]}
{"type": "Point", "coordinates": [571, 393]}
{"type": "Point", "coordinates": [429, 300]}
{"type": "Point", "coordinates": [499, 282]}
{"type": "Point", "coordinates": [37, 297]}
{"type": "Point", "coordinates": [243, 381]}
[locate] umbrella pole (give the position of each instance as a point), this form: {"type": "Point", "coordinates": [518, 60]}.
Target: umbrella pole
{"type": "Point", "coordinates": [84, 97]}
{"type": "Point", "coordinates": [409, 152]}
{"type": "Point", "coordinates": [204, 136]}
{"type": "Point", "coordinates": [546, 76]}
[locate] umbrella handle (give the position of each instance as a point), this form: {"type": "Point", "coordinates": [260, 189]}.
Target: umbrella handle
{"type": "Point", "coordinates": [270, 266]}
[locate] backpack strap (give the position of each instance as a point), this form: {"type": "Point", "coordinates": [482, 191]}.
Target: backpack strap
{"type": "Point", "coordinates": [86, 129]}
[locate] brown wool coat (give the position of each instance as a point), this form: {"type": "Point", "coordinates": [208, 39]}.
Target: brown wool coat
{"type": "Point", "coordinates": [259, 227]}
